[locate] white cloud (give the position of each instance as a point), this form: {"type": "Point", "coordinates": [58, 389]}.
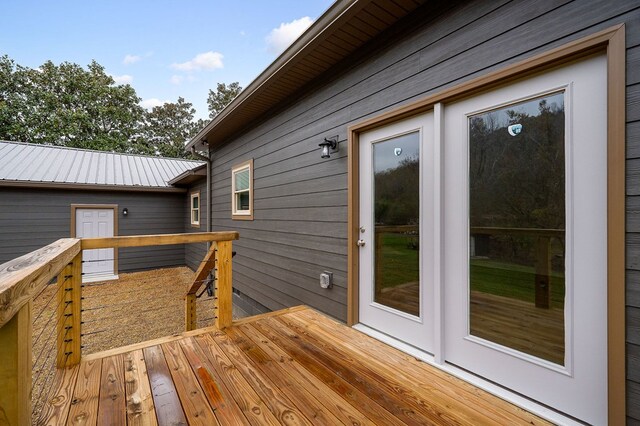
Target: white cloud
{"type": "Point", "coordinates": [131, 59]}
{"type": "Point", "coordinates": [122, 79]}
{"type": "Point", "coordinates": [280, 38]}
{"type": "Point", "coordinates": [176, 79]}
{"type": "Point", "coordinates": [203, 61]}
{"type": "Point", "coordinates": [152, 102]}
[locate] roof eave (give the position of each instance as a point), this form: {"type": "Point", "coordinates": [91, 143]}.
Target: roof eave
{"type": "Point", "coordinates": [198, 171]}
{"type": "Point", "coordinates": [88, 187]}
{"type": "Point", "coordinates": [298, 47]}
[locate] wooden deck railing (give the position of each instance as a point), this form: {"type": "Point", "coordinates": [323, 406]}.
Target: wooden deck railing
{"type": "Point", "coordinates": [24, 278]}
{"type": "Point", "coordinates": [543, 237]}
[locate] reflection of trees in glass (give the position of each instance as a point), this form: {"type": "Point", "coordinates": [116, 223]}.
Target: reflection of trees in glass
{"type": "Point", "coordinates": [396, 193]}
{"type": "Point", "coordinates": [518, 181]}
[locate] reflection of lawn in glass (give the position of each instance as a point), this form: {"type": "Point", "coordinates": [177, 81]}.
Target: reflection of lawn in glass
{"type": "Point", "coordinates": [399, 260]}
{"type": "Point", "coordinates": [512, 280]}
{"type": "Point", "coordinates": [400, 266]}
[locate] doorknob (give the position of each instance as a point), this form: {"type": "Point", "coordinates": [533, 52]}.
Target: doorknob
{"type": "Point", "coordinates": [360, 243]}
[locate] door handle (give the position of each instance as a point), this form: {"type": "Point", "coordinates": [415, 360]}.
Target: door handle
{"type": "Point", "coordinates": [360, 243]}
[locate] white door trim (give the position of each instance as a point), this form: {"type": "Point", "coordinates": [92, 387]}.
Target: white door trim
{"type": "Point", "coordinates": [525, 372]}
{"type": "Point", "coordinates": [611, 42]}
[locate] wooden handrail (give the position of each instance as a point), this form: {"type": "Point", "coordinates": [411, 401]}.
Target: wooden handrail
{"type": "Point", "coordinates": [396, 228]}
{"type": "Point", "coordinates": [24, 277]}
{"type": "Point", "coordinates": [483, 230]}
{"type": "Point", "coordinates": [157, 240]}
{"type": "Point", "coordinates": [21, 280]}
{"type": "Point", "coordinates": [207, 265]}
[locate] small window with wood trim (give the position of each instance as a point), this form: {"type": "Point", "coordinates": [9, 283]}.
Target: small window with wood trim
{"type": "Point", "coordinates": [242, 191]}
{"type": "Point", "coordinates": [195, 209]}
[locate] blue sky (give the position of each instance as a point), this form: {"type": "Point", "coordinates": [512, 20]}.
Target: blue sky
{"type": "Point", "coordinates": [163, 48]}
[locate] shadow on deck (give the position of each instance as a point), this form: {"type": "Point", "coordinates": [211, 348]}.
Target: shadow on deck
{"type": "Point", "coordinates": [294, 366]}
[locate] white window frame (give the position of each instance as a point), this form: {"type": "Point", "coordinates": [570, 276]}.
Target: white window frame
{"type": "Point", "coordinates": [236, 213]}
{"type": "Point", "coordinates": [194, 223]}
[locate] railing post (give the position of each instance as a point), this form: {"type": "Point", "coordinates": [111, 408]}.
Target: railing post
{"type": "Point", "coordinates": [224, 282]}
{"type": "Point", "coordinates": [15, 368]}
{"type": "Point", "coordinates": [69, 314]}
{"type": "Point", "coordinates": [191, 319]}
{"type": "Point", "coordinates": [543, 272]}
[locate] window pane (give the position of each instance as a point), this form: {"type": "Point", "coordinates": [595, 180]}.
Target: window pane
{"type": "Point", "coordinates": [242, 180]}
{"type": "Point", "coordinates": [517, 219]}
{"type": "Point", "coordinates": [195, 216]}
{"type": "Point", "coordinates": [396, 202]}
{"type": "Point", "coordinates": [242, 201]}
{"type": "Point", "coordinates": [195, 202]}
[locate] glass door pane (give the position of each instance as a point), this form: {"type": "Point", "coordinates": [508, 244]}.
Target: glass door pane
{"type": "Point", "coordinates": [396, 202]}
{"type": "Point", "coordinates": [517, 226]}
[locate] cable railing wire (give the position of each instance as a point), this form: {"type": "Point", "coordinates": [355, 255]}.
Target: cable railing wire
{"type": "Point", "coordinates": [102, 319]}
{"type": "Point", "coordinates": [44, 308]}
{"type": "Point", "coordinates": [128, 292]}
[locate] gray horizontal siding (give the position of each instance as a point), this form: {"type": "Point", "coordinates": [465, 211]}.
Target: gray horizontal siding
{"type": "Point", "coordinates": [32, 218]}
{"type": "Point", "coordinates": [194, 253]}
{"type": "Point", "coordinates": [300, 200]}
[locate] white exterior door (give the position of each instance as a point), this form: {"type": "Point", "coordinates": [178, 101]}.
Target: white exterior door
{"type": "Point", "coordinates": [525, 225]}
{"type": "Point", "coordinates": [97, 264]}
{"type": "Point", "coordinates": [507, 279]}
{"type": "Point", "coordinates": [395, 296]}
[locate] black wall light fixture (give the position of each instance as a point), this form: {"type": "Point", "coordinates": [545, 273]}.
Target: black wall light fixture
{"type": "Point", "coordinates": [328, 146]}
{"type": "Point", "coordinates": [125, 211]}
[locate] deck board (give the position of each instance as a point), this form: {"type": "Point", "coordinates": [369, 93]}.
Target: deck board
{"type": "Point", "coordinates": [227, 410]}
{"type": "Point", "coordinates": [298, 395]}
{"type": "Point", "coordinates": [140, 410]}
{"type": "Point", "coordinates": [194, 402]}
{"type": "Point", "coordinates": [84, 403]}
{"type": "Point", "coordinates": [284, 410]}
{"type": "Point", "coordinates": [341, 409]}
{"type": "Point", "coordinates": [112, 406]}
{"type": "Point", "coordinates": [245, 396]}
{"type": "Point", "coordinates": [165, 396]}
{"type": "Point", "coordinates": [294, 366]}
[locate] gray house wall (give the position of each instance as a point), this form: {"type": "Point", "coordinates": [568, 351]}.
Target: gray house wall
{"type": "Point", "coordinates": [300, 225]}
{"type": "Point", "coordinates": [194, 253]}
{"type": "Point", "coordinates": [32, 218]}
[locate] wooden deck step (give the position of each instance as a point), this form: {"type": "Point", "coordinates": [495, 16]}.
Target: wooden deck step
{"type": "Point", "coordinates": [293, 367]}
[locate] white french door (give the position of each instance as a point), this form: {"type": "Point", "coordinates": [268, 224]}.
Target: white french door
{"type": "Point", "coordinates": [395, 296]}
{"type": "Point", "coordinates": [527, 163]}
{"type": "Point", "coordinates": [512, 262]}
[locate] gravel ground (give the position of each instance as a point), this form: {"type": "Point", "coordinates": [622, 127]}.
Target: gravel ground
{"type": "Point", "coordinates": [138, 306]}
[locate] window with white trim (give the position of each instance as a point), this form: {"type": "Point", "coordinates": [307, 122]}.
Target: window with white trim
{"type": "Point", "coordinates": [242, 191]}
{"type": "Point", "coordinates": [195, 209]}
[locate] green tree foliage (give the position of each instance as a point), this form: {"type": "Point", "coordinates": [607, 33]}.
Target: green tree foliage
{"type": "Point", "coordinates": [222, 97]}
{"type": "Point", "coordinates": [166, 129]}
{"type": "Point", "coordinates": [518, 181]}
{"type": "Point", "coordinates": [67, 105]}
{"type": "Point", "coordinates": [396, 197]}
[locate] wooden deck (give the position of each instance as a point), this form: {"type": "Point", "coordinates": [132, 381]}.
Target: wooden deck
{"type": "Point", "coordinates": [294, 366]}
{"type": "Point", "coordinates": [507, 321]}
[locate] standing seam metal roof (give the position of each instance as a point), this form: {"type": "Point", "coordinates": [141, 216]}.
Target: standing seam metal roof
{"type": "Point", "coordinates": [35, 163]}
